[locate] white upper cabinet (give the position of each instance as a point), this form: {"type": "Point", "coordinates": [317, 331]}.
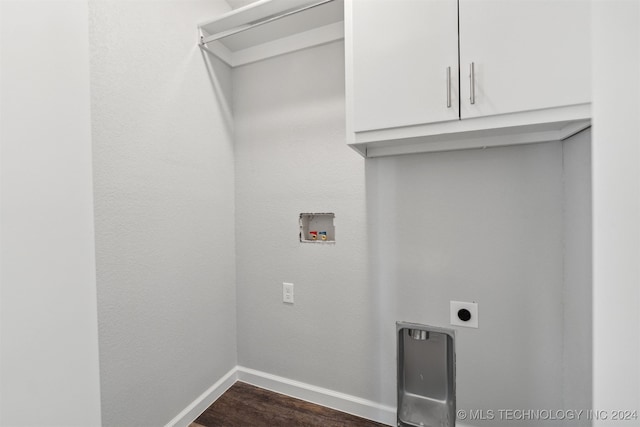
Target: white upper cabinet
{"type": "Point", "coordinates": [527, 55]}
{"type": "Point", "coordinates": [405, 62]}
{"type": "Point", "coordinates": [408, 73]}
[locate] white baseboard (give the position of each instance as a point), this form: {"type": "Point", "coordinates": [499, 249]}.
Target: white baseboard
{"type": "Point", "coordinates": [321, 396]}
{"type": "Point", "coordinates": [332, 399]}
{"type": "Point", "coordinates": [202, 402]}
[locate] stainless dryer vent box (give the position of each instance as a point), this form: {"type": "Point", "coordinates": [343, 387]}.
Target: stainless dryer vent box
{"type": "Point", "coordinates": [426, 376]}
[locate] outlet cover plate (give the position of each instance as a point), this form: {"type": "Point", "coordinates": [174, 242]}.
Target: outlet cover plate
{"type": "Point", "coordinates": [287, 293]}
{"type": "Point", "coordinates": [472, 307]}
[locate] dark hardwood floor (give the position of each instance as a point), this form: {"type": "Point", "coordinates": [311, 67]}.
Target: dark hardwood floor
{"type": "Point", "coordinates": [244, 405]}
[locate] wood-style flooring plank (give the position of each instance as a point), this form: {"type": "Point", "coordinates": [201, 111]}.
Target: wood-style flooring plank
{"type": "Point", "coordinates": [244, 405]}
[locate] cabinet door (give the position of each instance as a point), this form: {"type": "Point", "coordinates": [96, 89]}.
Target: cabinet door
{"type": "Point", "coordinates": [527, 55]}
{"type": "Point", "coordinates": [401, 51]}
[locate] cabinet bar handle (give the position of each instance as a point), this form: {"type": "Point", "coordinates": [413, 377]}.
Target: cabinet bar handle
{"type": "Point", "coordinates": [448, 87]}
{"type": "Point", "coordinates": [472, 79]}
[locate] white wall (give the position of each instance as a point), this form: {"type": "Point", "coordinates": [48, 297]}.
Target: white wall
{"type": "Point", "coordinates": [291, 158]}
{"type": "Point", "coordinates": [164, 205]}
{"type": "Point", "coordinates": [49, 334]}
{"type": "Point", "coordinates": [578, 282]}
{"type": "Point", "coordinates": [235, 4]}
{"type": "Point", "coordinates": [483, 226]}
{"type": "Point", "coordinates": [616, 206]}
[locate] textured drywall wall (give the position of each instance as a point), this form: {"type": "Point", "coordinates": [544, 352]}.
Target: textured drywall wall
{"type": "Point", "coordinates": [291, 158]}
{"type": "Point", "coordinates": [578, 283]}
{"type": "Point", "coordinates": [483, 226]}
{"type": "Point", "coordinates": [616, 206]}
{"type": "Point", "coordinates": [164, 205]}
{"type": "Point", "coordinates": [49, 334]}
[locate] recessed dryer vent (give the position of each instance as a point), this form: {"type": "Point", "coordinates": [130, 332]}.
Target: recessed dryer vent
{"type": "Point", "coordinates": [426, 376]}
{"type": "Point", "coordinates": [317, 228]}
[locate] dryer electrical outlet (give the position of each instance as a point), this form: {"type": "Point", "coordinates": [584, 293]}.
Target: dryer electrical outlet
{"type": "Point", "coordinates": [464, 314]}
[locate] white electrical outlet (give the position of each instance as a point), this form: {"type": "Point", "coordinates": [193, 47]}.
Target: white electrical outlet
{"type": "Point", "coordinates": [287, 293]}
{"type": "Point", "coordinates": [464, 314]}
